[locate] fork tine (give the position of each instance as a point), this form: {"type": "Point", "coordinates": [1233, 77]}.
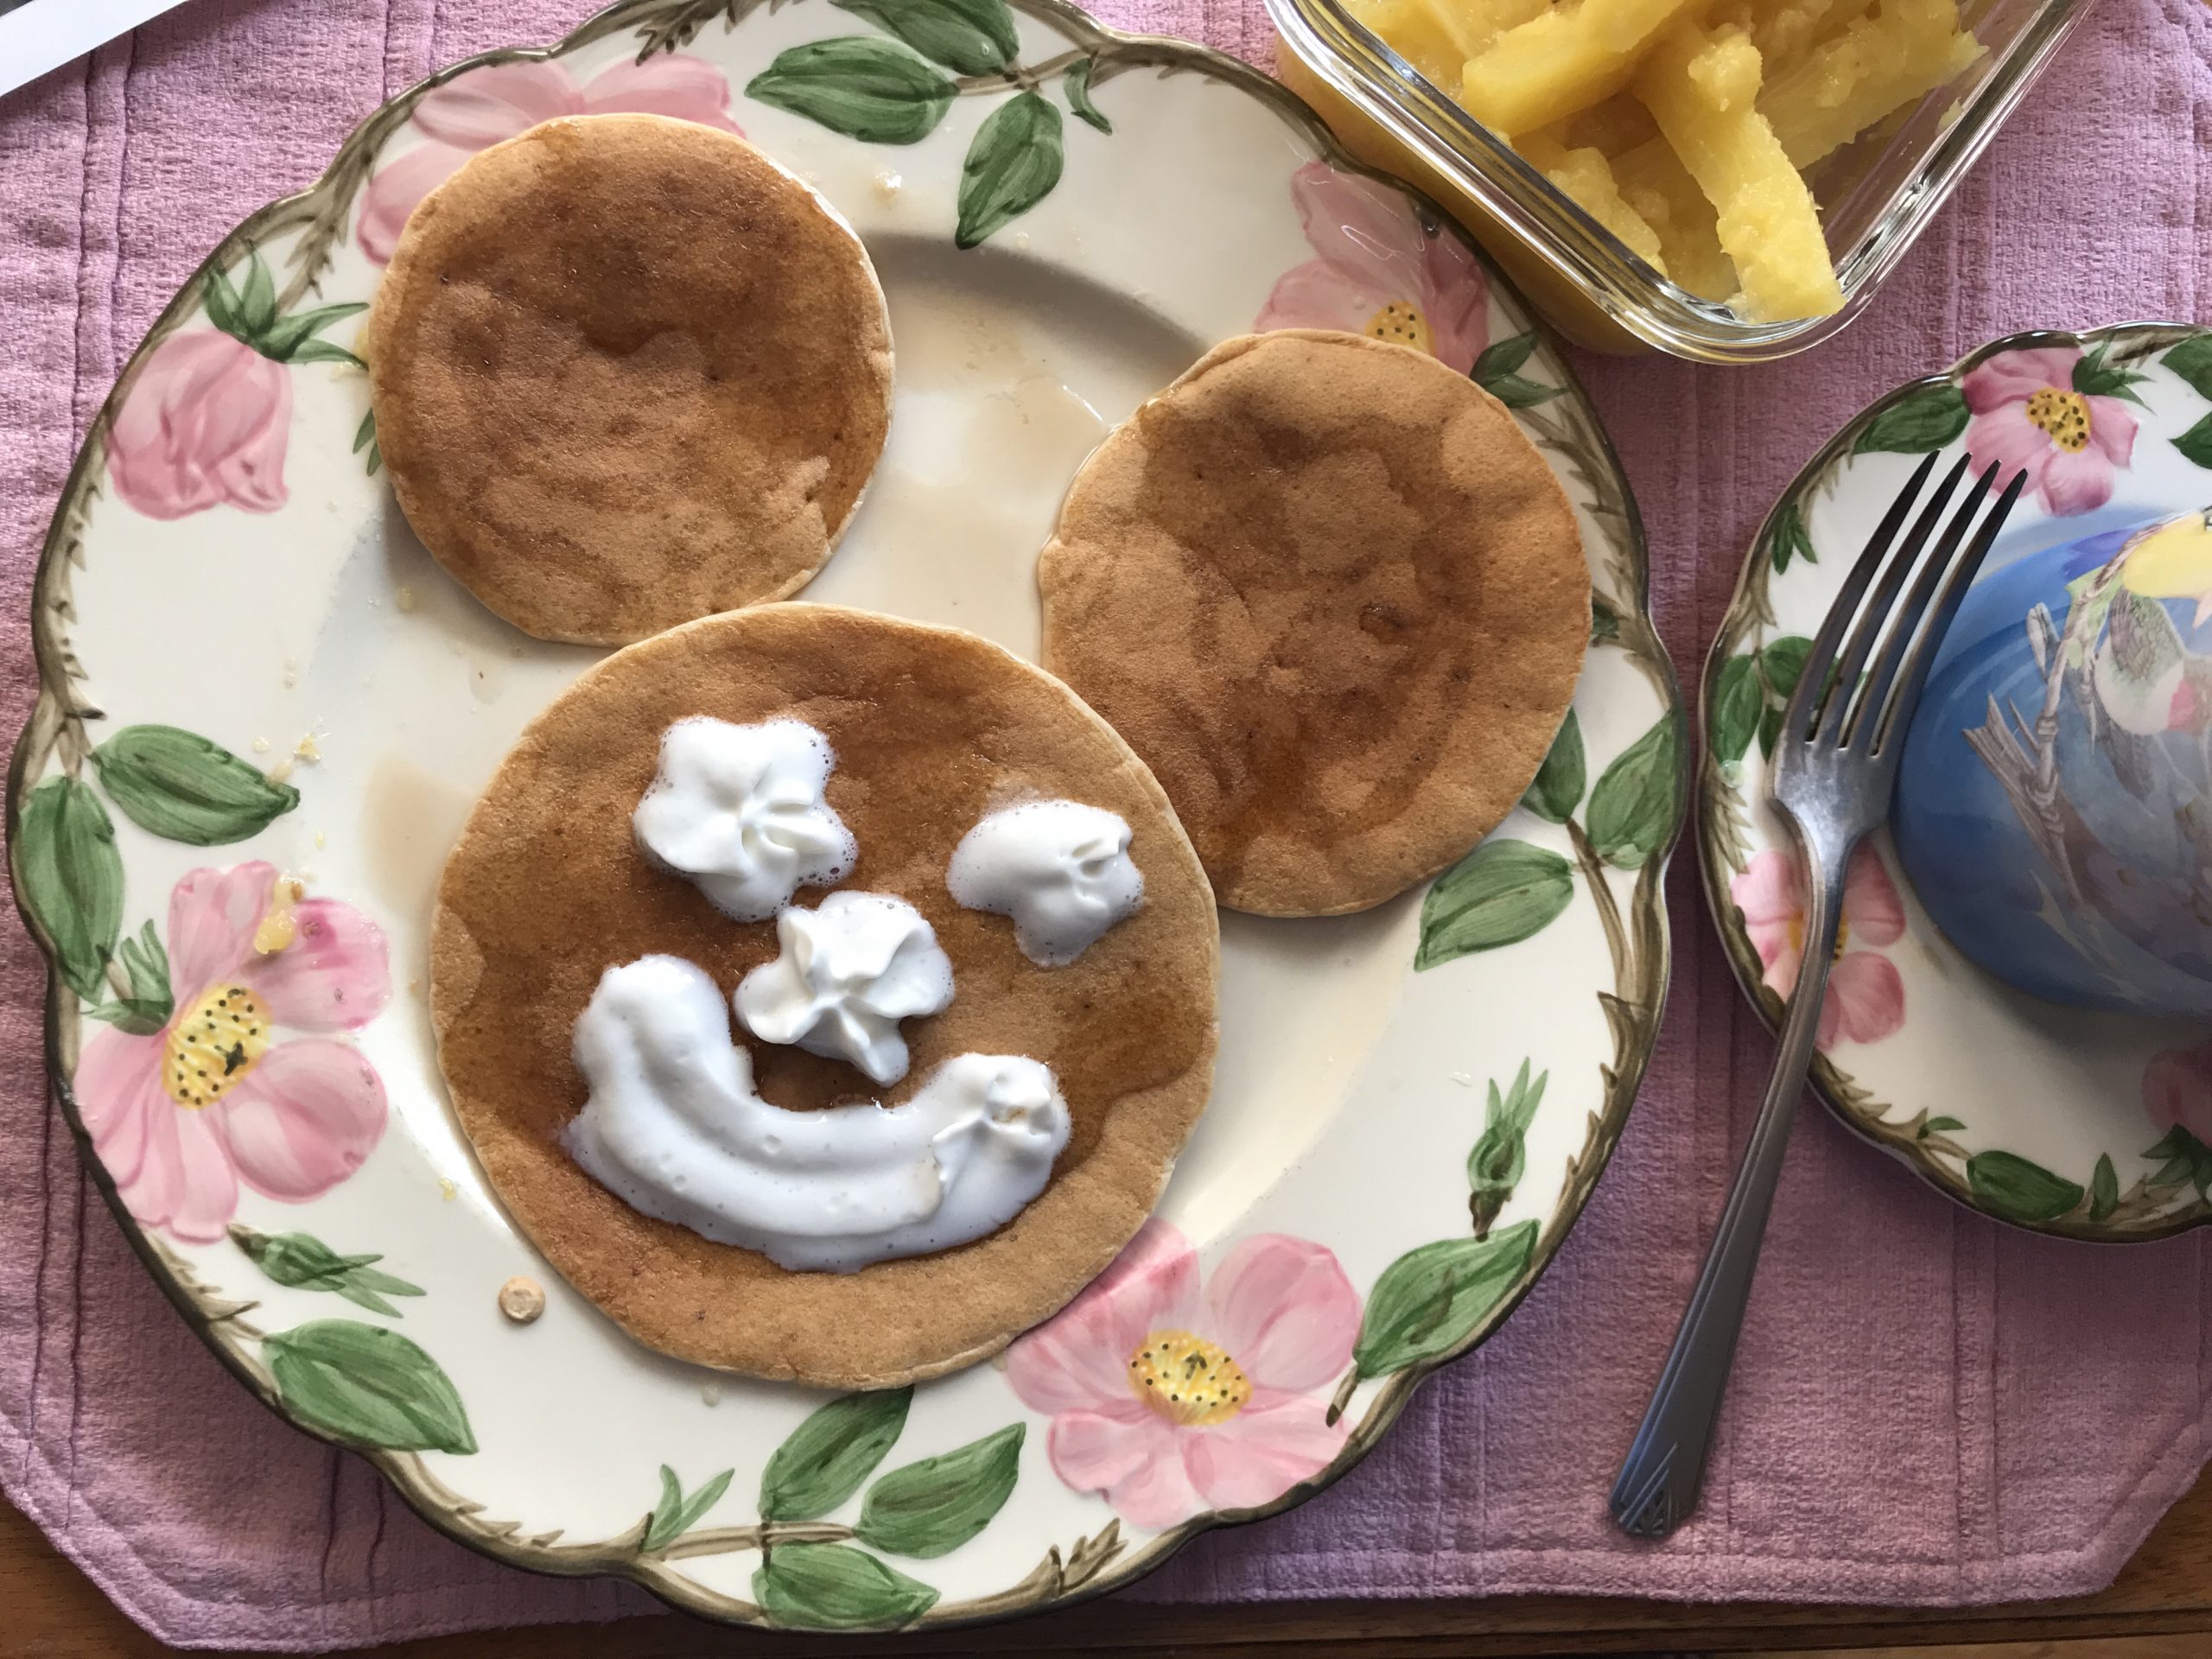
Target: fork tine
{"type": "Point", "coordinates": [1805, 701]}
{"type": "Point", "coordinates": [1916, 666]}
{"type": "Point", "coordinates": [1877, 610]}
{"type": "Point", "coordinates": [1904, 621]}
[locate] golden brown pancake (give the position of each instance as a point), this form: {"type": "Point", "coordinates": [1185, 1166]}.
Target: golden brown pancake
{"type": "Point", "coordinates": [1337, 602]}
{"type": "Point", "coordinates": [932, 726]}
{"type": "Point", "coordinates": [627, 372]}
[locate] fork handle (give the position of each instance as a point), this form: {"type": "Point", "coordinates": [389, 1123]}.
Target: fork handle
{"type": "Point", "coordinates": [1658, 1483]}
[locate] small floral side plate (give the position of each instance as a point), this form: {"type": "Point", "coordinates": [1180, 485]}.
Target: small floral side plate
{"type": "Point", "coordinates": [264, 711]}
{"type": "Point", "coordinates": [2095, 1126]}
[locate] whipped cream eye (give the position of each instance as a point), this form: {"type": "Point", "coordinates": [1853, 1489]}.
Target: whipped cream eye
{"type": "Point", "coordinates": [739, 811]}
{"type": "Point", "coordinates": [674, 1127]}
{"type": "Point", "coordinates": [1060, 869]}
{"type": "Point", "coordinates": [845, 975]}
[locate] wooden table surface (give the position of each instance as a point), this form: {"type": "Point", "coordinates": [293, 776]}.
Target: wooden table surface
{"type": "Point", "coordinates": [2160, 1608]}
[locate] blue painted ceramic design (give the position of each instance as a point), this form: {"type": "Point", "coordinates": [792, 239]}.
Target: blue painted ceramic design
{"type": "Point", "coordinates": [2054, 812]}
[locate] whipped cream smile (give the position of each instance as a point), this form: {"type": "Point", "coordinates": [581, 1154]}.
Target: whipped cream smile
{"type": "Point", "coordinates": [739, 811]}
{"type": "Point", "coordinates": [673, 1127]}
{"type": "Point", "coordinates": [1060, 869]}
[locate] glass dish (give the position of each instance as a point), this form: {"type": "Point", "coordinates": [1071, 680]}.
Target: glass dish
{"type": "Point", "coordinates": [1876, 196]}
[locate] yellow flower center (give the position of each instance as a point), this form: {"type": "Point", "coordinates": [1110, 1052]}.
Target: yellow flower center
{"type": "Point", "coordinates": [2064, 415]}
{"type": "Point", "coordinates": [1401, 323]}
{"type": "Point", "coordinates": [213, 1045]}
{"type": "Point", "coordinates": [1797, 937]}
{"type": "Point", "coordinates": [1187, 1379]}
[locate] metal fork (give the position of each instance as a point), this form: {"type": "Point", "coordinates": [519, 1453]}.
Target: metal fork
{"type": "Point", "coordinates": [1835, 768]}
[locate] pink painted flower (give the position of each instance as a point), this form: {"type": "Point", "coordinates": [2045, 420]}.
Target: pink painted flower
{"type": "Point", "coordinates": [1866, 998]}
{"type": "Point", "coordinates": [216, 1096]}
{"type": "Point", "coordinates": [1170, 1400]}
{"type": "Point", "coordinates": [2178, 1089]}
{"type": "Point", "coordinates": [1378, 273]}
{"type": "Point", "coordinates": [2026, 414]}
{"type": "Point", "coordinates": [475, 111]}
{"type": "Point", "coordinates": [203, 421]}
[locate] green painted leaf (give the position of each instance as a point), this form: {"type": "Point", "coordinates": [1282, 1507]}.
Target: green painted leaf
{"type": "Point", "coordinates": [675, 1514]}
{"type": "Point", "coordinates": [1782, 664]}
{"type": "Point", "coordinates": [133, 1015]}
{"type": "Point", "coordinates": [835, 1588]}
{"type": "Point", "coordinates": [2009, 1185]}
{"type": "Point", "coordinates": [1604, 625]}
{"type": "Point", "coordinates": [257, 298]}
{"type": "Point", "coordinates": [1012, 165]}
{"type": "Point", "coordinates": [1927, 420]}
{"type": "Point", "coordinates": [1770, 729]}
{"type": "Point", "coordinates": [69, 876]}
{"type": "Point", "coordinates": [2192, 361]}
{"type": "Point", "coordinates": [305, 1262]}
{"type": "Point", "coordinates": [287, 337]}
{"type": "Point", "coordinates": [862, 87]}
{"type": "Point", "coordinates": [181, 787]}
{"type": "Point", "coordinates": [1497, 371]}
{"type": "Point", "coordinates": [2104, 1188]}
{"type": "Point", "coordinates": [1501, 893]}
{"type": "Point", "coordinates": [829, 1454]}
{"type": "Point", "coordinates": [970, 37]}
{"type": "Point", "coordinates": [1494, 1167]}
{"type": "Point", "coordinates": [1516, 392]}
{"type": "Point", "coordinates": [1632, 809]}
{"type": "Point", "coordinates": [222, 303]}
{"type": "Point", "coordinates": [939, 1503]}
{"type": "Point", "coordinates": [1504, 357]}
{"type": "Point", "coordinates": [365, 437]}
{"type": "Point", "coordinates": [1431, 1299]}
{"type": "Point", "coordinates": [1938, 1125]}
{"type": "Point", "coordinates": [321, 351]}
{"type": "Point", "coordinates": [1560, 781]}
{"type": "Point", "coordinates": [368, 1385]}
{"type": "Point", "coordinates": [1077, 86]}
{"type": "Point", "coordinates": [2094, 378]}
{"type": "Point", "coordinates": [145, 967]}
{"type": "Point", "coordinates": [1732, 715]}
{"type": "Point", "coordinates": [2187, 1158]}
{"type": "Point", "coordinates": [1783, 661]}
{"type": "Point", "coordinates": [1788, 540]}
{"type": "Point", "coordinates": [2196, 444]}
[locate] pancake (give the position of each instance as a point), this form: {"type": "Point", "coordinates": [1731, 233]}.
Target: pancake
{"type": "Point", "coordinates": [1337, 602]}
{"type": "Point", "coordinates": [932, 726]}
{"type": "Point", "coordinates": [627, 372]}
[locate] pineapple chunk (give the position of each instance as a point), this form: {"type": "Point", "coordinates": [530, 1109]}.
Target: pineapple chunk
{"type": "Point", "coordinates": [1410, 30]}
{"type": "Point", "coordinates": [1586, 176]}
{"type": "Point", "coordinates": [1616, 126]}
{"type": "Point", "coordinates": [1566, 59]}
{"type": "Point", "coordinates": [1701, 87]}
{"type": "Point", "coordinates": [1785, 30]}
{"type": "Point", "coordinates": [1878, 64]}
{"type": "Point", "coordinates": [1659, 190]}
{"type": "Point", "coordinates": [1479, 22]}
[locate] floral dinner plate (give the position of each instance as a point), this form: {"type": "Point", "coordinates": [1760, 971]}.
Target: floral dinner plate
{"type": "Point", "coordinates": [265, 710]}
{"type": "Point", "coordinates": [2095, 1126]}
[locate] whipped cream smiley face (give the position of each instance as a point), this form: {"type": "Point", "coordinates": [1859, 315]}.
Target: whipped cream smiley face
{"type": "Point", "coordinates": [739, 811]}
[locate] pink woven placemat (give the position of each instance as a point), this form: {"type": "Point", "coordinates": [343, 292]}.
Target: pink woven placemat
{"type": "Point", "coordinates": [1927, 1407]}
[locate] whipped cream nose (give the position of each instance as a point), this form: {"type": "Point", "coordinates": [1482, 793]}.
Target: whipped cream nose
{"type": "Point", "coordinates": [845, 975]}
{"type": "Point", "coordinates": [1059, 869]}
{"type": "Point", "coordinates": [739, 811]}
